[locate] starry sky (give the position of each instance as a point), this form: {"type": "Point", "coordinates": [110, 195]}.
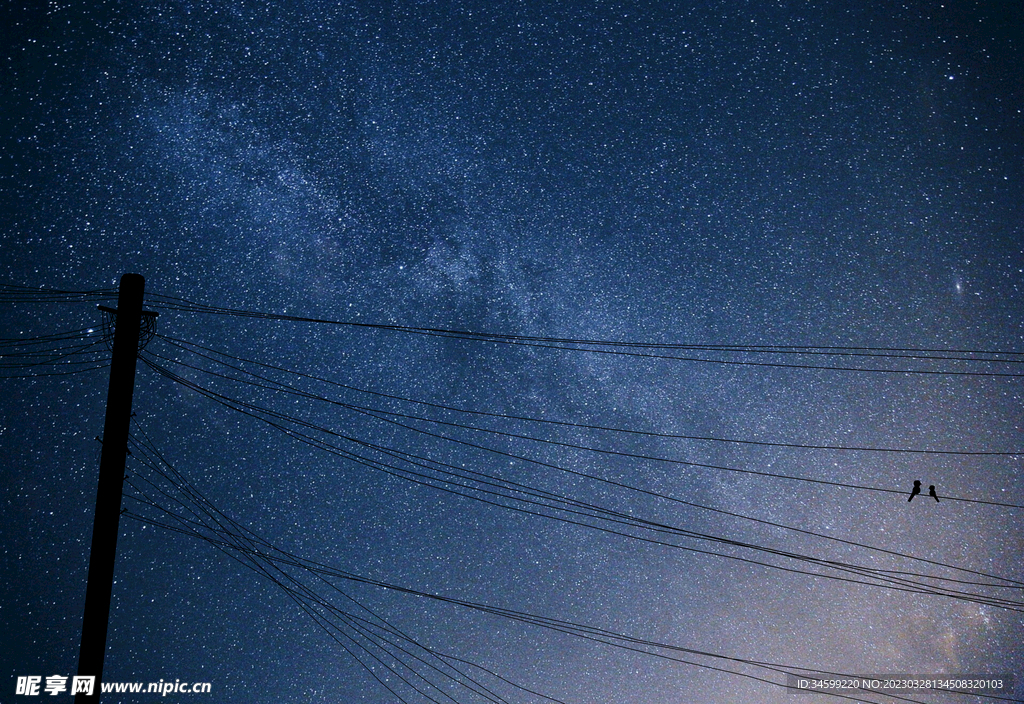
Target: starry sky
{"type": "Point", "coordinates": [721, 173]}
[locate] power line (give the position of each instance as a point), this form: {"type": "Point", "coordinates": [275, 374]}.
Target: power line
{"type": "Point", "coordinates": [585, 632]}
{"type": "Point", "coordinates": [78, 334]}
{"type": "Point", "coordinates": [233, 532]}
{"type": "Point", "coordinates": [191, 347]}
{"type": "Point", "coordinates": [578, 346]}
{"type": "Point", "coordinates": [610, 347]}
{"type": "Point", "coordinates": [371, 412]}
{"type": "Point", "coordinates": [272, 554]}
{"type": "Point", "coordinates": [14, 293]}
{"type": "Point", "coordinates": [615, 453]}
{"type": "Point", "coordinates": [673, 499]}
{"type": "Point", "coordinates": [882, 579]}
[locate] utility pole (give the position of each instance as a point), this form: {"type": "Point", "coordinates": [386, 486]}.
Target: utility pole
{"type": "Point", "coordinates": [111, 482]}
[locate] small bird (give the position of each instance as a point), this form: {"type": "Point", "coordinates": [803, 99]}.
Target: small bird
{"type": "Point", "coordinates": [916, 490]}
{"type": "Point", "coordinates": [931, 493]}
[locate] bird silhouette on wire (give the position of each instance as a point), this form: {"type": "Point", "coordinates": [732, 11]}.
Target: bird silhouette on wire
{"type": "Point", "coordinates": [931, 493]}
{"type": "Point", "coordinates": [916, 490]}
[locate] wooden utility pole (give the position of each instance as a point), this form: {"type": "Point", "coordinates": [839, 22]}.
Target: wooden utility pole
{"type": "Point", "coordinates": [111, 482]}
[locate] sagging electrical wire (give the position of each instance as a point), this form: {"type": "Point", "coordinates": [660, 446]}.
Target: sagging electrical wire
{"type": "Point", "coordinates": [192, 347]}
{"type": "Point", "coordinates": [884, 579]}
{"type": "Point", "coordinates": [245, 546]}
{"type": "Point", "coordinates": [371, 628]}
{"type": "Point", "coordinates": [621, 348]}
{"type": "Point", "coordinates": [14, 293]}
{"type": "Point", "coordinates": [54, 354]}
{"type": "Point", "coordinates": [287, 388]}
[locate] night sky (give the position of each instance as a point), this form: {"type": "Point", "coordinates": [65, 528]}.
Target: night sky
{"type": "Point", "coordinates": [757, 175]}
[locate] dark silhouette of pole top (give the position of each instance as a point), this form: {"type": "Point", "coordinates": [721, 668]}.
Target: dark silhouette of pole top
{"type": "Point", "coordinates": [931, 493]}
{"type": "Point", "coordinates": [916, 490]}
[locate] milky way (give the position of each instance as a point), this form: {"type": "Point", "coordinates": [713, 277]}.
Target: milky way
{"type": "Point", "coordinates": [777, 175]}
